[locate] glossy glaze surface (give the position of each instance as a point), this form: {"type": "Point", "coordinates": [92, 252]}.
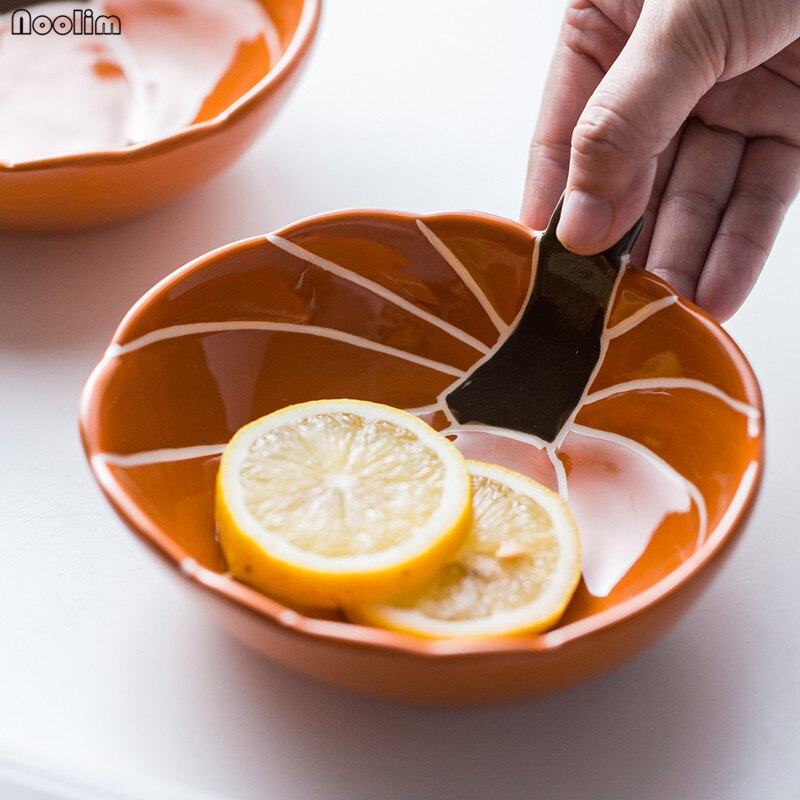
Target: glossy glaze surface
{"type": "Point", "coordinates": [172, 64]}
{"type": "Point", "coordinates": [660, 461]}
{"type": "Point", "coordinates": [100, 127]}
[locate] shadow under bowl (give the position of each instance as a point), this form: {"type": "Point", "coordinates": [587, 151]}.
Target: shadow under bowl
{"type": "Point", "coordinates": [91, 189]}
{"type": "Point", "coordinates": [661, 464]}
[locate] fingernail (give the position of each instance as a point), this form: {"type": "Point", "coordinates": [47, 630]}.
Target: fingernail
{"type": "Point", "coordinates": [585, 221]}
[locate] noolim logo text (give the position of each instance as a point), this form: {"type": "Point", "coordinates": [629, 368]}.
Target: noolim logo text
{"type": "Point", "coordinates": [82, 22]}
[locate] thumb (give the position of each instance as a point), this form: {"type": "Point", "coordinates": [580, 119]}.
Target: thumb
{"type": "Point", "coordinates": [628, 122]}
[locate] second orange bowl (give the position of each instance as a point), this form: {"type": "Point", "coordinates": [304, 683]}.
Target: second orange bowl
{"type": "Point", "coordinates": [95, 188]}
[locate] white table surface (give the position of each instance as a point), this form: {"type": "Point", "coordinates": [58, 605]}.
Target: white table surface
{"type": "Point", "coordinates": [110, 678]}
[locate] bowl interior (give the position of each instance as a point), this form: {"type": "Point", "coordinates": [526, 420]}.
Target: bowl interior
{"type": "Point", "coordinates": [177, 64]}
{"type": "Point", "coordinates": [253, 60]}
{"type": "Point", "coordinates": [659, 464]}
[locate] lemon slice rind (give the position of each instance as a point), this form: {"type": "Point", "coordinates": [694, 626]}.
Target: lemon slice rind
{"type": "Point", "coordinates": [284, 570]}
{"type": "Point", "coordinates": [534, 617]}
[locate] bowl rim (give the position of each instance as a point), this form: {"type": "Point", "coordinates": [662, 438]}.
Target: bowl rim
{"type": "Point", "coordinates": [269, 610]}
{"type": "Point", "coordinates": [278, 74]}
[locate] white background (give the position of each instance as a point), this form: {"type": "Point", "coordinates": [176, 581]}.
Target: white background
{"type": "Point", "coordinates": [110, 677]}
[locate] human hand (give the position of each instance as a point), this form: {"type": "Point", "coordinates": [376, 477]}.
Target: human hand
{"type": "Point", "coordinates": [687, 111]}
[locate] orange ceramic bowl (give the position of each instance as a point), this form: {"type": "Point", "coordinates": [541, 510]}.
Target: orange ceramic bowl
{"type": "Point", "coordinates": [91, 189]}
{"type": "Point", "coordinates": [661, 463]}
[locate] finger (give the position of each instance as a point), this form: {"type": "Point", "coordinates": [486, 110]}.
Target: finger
{"type": "Point", "coordinates": [629, 121]}
{"type": "Point", "coordinates": [623, 13]}
{"type": "Point", "coordinates": [664, 167]}
{"type": "Point", "coordinates": [588, 44]}
{"type": "Point", "coordinates": [693, 203]}
{"type": "Point", "coordinates": [768, 181]}
{"type": "Point", "coordinates": [758, 103]}
{"type": "Point", "coordinates": [786, 63]}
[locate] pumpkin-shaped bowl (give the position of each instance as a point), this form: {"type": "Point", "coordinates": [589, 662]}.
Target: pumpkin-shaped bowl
{"type": "Point", "coordinates": [89, 189]}
{"type": "Point", "coordinates": [661, 460]}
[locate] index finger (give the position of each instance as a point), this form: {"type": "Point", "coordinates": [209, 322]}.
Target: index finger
{"type": "Point", "coordinates": [589, 42]}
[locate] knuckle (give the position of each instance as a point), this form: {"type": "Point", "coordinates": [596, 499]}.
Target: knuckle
{"type": "Point", "coordinates": [589, 32]}
{"type": "Point", "coordinates": [606, 135]}
{"type": "Point", "coordinates": [575, 21]}
{"type": "Point", "coordinates": [555, 153]}
{"type": "Point", "coordinates": [743, 241]}
{"type": "Point", "coordinates": [580, 20]}
{"type": "Point", "coordinates": [599, 136]}
{"type": "Point", "coordinates": [764, 199]}
{"type": "Point", "coordinates": [696, 203]}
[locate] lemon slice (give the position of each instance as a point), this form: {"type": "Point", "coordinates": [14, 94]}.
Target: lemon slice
{"type": "Point", "coordinates": [515, 574]}
{"type": "Point", "coordinates": [339, 502]}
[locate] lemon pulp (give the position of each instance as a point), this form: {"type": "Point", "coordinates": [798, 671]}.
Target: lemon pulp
{"type": "Point", "coordinates": [515, 573]}
{"type": "Point", "coordinates": [340, 484]}
{"type": "Point", "coordinates": [340, 501]}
